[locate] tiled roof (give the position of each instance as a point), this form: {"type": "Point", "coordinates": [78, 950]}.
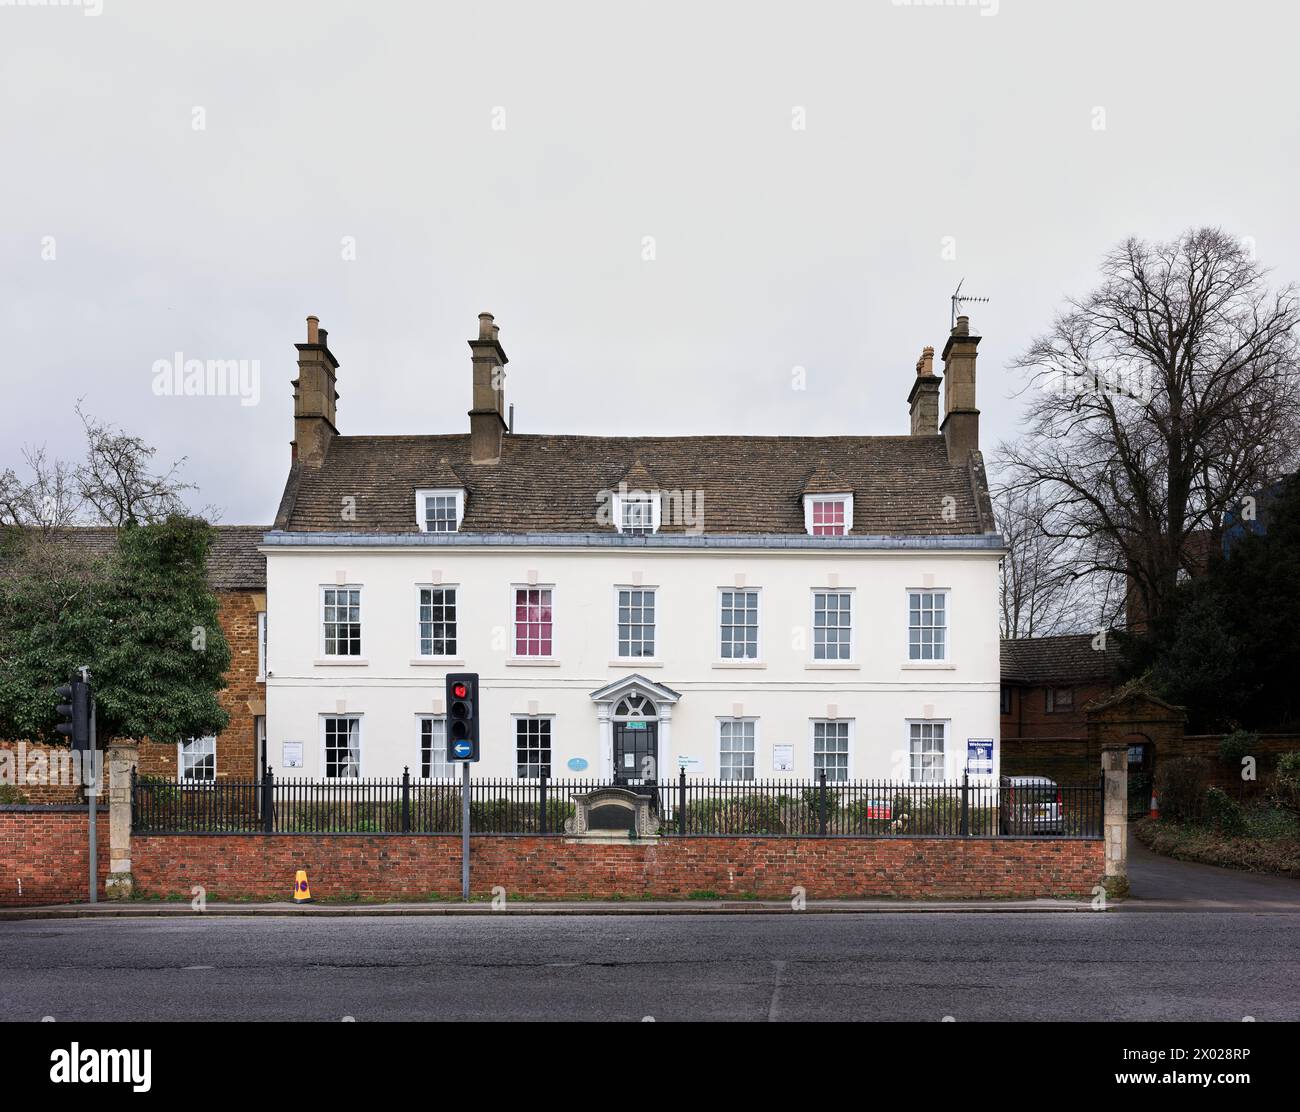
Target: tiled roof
{"type": "Point", "coordinates": [234, 563]}
{"type": "Point", "coordinates": [1035, 661]}
{"type": "Point", "coordinates": [902, 485]}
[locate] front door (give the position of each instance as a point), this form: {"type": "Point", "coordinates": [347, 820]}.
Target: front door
{"type": "Point", "coordinates": [636, 750]}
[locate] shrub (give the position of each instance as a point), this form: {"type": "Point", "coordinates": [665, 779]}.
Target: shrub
{"type": "Point", "coordinates": [1224, 812]}
{"type": "Point", "coordinates": [748, 814]}
{"type": "Point", "coordinates": [1180, 785]}
{"type": "Point", "coordinates": [1287, 785]}
{"type": "Point", "coordinates": [1236, 745]}
{"type": "Point", "coordinates": [9, 793]}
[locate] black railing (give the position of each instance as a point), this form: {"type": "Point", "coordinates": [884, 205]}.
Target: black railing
{"type": "Point", "coordinates": [684, 808]}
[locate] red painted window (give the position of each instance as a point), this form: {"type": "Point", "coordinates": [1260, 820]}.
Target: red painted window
{"type": "Point", "coordinates": [533, 621]}
{"type": "Point", "coordinates": [828, 518]}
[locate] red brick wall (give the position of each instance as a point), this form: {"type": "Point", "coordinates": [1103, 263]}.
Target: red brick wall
{"type": "Point", "coordinates": [1029, 716]}
{"type": "Point", "coordinates": [411, 867]}
{"type": "Point", "coordinates": [44, 854]}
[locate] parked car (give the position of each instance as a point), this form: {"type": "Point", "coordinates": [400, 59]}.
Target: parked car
{"type": "Point", "coordinates": [1031, 805]}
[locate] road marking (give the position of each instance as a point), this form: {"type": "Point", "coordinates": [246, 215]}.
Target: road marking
{"type": "Point", "coordinates": [778, 971]}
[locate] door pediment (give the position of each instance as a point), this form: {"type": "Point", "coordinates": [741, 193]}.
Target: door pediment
{"type": "Point", "coordinates": [634, 683]}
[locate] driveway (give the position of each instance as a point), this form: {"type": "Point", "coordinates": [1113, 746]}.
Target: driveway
{"type": "Point", "coordinates": [1162, 883]}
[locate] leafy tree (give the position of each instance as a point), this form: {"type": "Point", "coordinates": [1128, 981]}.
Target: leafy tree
{"type": "Point", "coordinates": [1228, 645]}
{"type": "Point", "coordinates": [142, 617]}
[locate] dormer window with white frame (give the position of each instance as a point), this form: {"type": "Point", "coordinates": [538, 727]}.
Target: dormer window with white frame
{"type": "Point", "coordinates": [440, 511]}
{"type": "Point", "coordinates": [828, 515]}
{"type": "Point", "coordinates": [636, 512]}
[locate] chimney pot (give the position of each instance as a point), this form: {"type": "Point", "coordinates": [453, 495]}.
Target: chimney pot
{"type": "Point", "coordinates": [314, 397]}
{"type": "Point", "coordinates": [961, 419]}
{"type": "Point", "coordinates": [487, 417]}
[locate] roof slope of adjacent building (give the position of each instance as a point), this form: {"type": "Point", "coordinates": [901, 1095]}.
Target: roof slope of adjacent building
{"type": "Point", "coordinates": [902, 485]}
{"type": "Point", "coordinates": [234, 562]}
{"type": "Point", "coordinates": [1070, 658]}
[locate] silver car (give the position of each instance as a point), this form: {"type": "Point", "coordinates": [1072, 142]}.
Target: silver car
{"type": "Point", "coordinates": [1031, 805]}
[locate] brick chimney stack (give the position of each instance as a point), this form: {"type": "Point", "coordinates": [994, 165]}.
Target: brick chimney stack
{"type": "Point", "coordinates": [961, 420]}
{"type": "Point", "coordinates": [314, 397]}
{"type": "Point", "coordinates": [924, 397]}
{"type": "Point", "coordinates": [487, 418]}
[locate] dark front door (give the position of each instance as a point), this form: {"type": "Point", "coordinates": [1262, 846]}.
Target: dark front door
{"type": "Point", "coordinates": [636, 750]}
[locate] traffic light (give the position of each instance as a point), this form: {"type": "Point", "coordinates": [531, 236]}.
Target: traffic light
{"type": "Point", "coordinates": [462, 716]}
{"type": "Point", "coordinates": [74, 710]}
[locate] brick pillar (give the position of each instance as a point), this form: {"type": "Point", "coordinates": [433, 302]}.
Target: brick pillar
{"type": "Point", "coordinates": [1114, 766]}
{"type": "Point", "coordinates": [123, 756]}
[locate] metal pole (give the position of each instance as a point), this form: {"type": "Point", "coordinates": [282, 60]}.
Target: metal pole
{"type": "Point", "coordinates": [464, 832]}
{"type": "Point", "coordinates": [93, 797]}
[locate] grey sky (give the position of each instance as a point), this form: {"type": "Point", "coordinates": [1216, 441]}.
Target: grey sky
{"type": "Point", "coordinates": [775, 247]}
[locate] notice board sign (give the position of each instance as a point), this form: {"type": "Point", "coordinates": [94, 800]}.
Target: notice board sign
{"type": "Point", "coordinates": [979, 756]}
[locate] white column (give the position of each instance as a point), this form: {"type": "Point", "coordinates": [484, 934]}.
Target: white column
{"type": "Point", "coordinates": [606, 764]}
{"type": "Point", "coordinates": [667, 767]}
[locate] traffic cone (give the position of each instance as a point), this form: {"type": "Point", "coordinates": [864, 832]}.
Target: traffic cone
{"type": "Point", "coordinates": [1155, 806]}
{"type": "Point", "coordinates": [301, 889]}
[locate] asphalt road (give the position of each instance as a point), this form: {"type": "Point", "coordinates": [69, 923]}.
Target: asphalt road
{"type": "Point", "coordinates": [1153, 877]}
{"type": "Point", "coordinates": [793, 966]}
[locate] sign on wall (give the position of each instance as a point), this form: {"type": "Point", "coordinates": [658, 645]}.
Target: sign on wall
{"type": "Point", "coordinates": [291, 754]}
{"type": "Point", "coordinates": [783, 758]}
{"type": "Point", "coordinates": [979, 756]}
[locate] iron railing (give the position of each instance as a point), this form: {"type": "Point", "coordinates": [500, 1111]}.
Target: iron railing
{"type": "Point", "coordinates": [684, 807]}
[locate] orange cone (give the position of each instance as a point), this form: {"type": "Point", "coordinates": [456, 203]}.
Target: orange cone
{"type": "Point", "coordinates": [1155, 806]}
{"type": "Point", "coordinates": [301, 889]}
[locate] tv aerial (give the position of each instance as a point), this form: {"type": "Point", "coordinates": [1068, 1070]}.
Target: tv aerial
{"type": "Point", "coordinates": [958, 300]}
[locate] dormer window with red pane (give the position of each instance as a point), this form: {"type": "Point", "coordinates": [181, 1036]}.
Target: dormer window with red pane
{"type": "Point", "coordinates": [828, 515]}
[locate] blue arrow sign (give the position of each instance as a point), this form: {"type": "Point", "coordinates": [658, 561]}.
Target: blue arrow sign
{"type": "Point", "coordinates": [462, 748]}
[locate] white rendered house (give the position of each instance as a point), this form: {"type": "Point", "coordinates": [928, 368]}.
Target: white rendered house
{"type": "Point", "coordinates": [743, 607]}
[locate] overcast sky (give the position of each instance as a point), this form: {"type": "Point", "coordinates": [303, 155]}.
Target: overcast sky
{"type": "Point", "coordinates": [513, 157]}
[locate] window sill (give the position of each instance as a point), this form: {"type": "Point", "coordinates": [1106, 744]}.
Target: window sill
{"type": "Point", "coordinates": [341, 662]}
{"type": "Point", "coordinates": [833, 666]}
{"type": "Point", "coordinates": [635, 662]}
{"type": "Point", "coordinates": [436, 662]}
{"type": "Point", "coordinates": [928, 666]}
{"type": "Point", "coordinates": [739, 664]}
{"type": "Point", "coordinates": [531, 662]}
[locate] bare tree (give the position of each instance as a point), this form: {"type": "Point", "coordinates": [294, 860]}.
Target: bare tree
{"type": "Point", "coordinates": [1039, 593]}
{"type": "Point", "coordinates": [1165, 397]}
{"type": "Point", "coordinates": [48, 498]}
{"type": "Point", "coordinates": [115, 479]}
{"type": "Point", "coordinates": [114, 485]}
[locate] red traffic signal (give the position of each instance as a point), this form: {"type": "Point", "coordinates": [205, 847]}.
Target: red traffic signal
{"type": "Point", "coordinates": [462, 717]}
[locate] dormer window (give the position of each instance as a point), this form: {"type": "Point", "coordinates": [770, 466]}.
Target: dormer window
{"type": "Point", "coordinates": [828, 515]}
{"type": "Point", "coordinates": [439, 511]}
{"type": "Point", "coordinates": [636, 512]}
